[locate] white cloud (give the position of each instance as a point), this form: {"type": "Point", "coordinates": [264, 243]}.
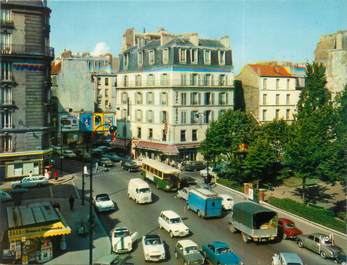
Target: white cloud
{"type": "Point", "coordinates": [100, 49]}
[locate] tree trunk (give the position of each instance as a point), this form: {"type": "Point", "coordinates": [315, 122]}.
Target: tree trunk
{"type": "Point", "coordinates": [304, 189]}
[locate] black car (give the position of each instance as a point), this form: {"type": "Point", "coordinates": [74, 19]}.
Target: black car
{"type": "Point", "coordinates": [194, 166]}
{"type": "Point", "coordinates": [187, 181]}
{"type": "Point", "coordinates": [113, 157]}
{"type": "Point", "coordinates": [130, 166]}
{"type": "Point", "coordinates": [105, 162]}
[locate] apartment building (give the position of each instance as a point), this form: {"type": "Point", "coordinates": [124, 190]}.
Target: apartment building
{"type": "Point", "coordinates": [270, 92]}
{"type": "Point", "coordinates": [25, 87]}
{"type": "Point", "coordinates": [105, 91]}
{"type": "Point", "coordinates": [170, 88]}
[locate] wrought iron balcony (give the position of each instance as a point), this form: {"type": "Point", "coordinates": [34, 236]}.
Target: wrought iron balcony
{"type": "Point", "coordinates": [7, 23]}
{"type": "Point", "coordinates": [6, 104]}
{"type": "Point", "coordinates": [26, 49]}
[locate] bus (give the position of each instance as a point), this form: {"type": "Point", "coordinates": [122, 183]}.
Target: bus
{"type": "Point", "coordinates": [163, 176]}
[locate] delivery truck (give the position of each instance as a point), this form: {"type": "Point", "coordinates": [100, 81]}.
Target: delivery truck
{"type": "Point", "coordinates": [204, 202]}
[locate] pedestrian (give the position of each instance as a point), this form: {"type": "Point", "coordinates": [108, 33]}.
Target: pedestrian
{"type": "Point", "coordinates": [71, 202]}
{"type": "Point", "coordinates": [55, 174]}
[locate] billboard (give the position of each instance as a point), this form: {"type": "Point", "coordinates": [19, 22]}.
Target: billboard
{"type": "Point", "coordinates": [98, 124]}
{"type": "Point", "coordinates": [109, 121]}
{"type": "Point", "coordinates": [68, 122]}
{"type": "Point", "coordinates": [86, 124]}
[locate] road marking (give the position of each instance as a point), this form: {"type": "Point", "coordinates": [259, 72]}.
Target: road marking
{"type": "Point", "coordinates": [76, 190]}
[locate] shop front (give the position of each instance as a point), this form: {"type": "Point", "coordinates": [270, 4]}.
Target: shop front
{"type": "Point", "coordinates": [31, 230]}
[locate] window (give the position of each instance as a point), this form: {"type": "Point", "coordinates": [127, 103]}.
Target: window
{"type": "Point", "coordinates": [287, 114]}
{"type": "Point", "coordinates": [125, 81]}
{"type": "Point", "coordinates": [194, 117]}
{"type": "Point", "coordinates": [183, 99]}
{"type": "Point", "coordinates": [139, 99]}
{"type": "Point", "coordinates": [163, 98]}
{"type": "Point", "coordinates": [277, 114]}
{"type": "Point", "coordinates": [277, 83]}
{"type": "Point", "coordinates": [163, 116]}
{"type": "Point", "coordinates": [222, 98]}
{"type": "Point", "coordinates": [264, 83]}
{"type": "Point", "coordinates": [149, 98]}
{"type": "Point", "coordinates": [222, 80]}
{"type": "Point", "coordinates": [140, 58]}
{"type": "Point", "coordinates": [182, 55]}
{"type": "Point", "coordinates": [6, 71]}
{"type": "Point", "coordinates": [124, 98]}
{"type": "Point", "coordinates": [98, 81]}
{"type": "Point", "coordinates": [208, 80]}
{"type": "Point", "coordinates": [194, 56]}
{"type": "Point", "coordinates": [126, 60]}
{"type": "Point", "coordinates": [207, 116]}
{"type": "Point", "coordinates": [150, 133]}
{"type": "Point", "coordinates": [151, 57]}
{"type": "Point", "coordinates": [139, 115]}
{"type": "Point", "coordinates": [183, 135]}
{"type": "Point", "coordinates": [164, 80]}
{"type": "Point", "coordinates": [221, 57]}
{"type": "Point", "coordinates": [176, 115]}
{"type": "Point", "coordinates": [194, 135]}
{"type": "Point", "coordinates": [264, 99]}
{"type": "Point", "coordinates": [6, 15]}
{"type": "Point", "coordinates": [183, 79]}
{"type": "Point", "coordinates": [106, 81]}
{"type": "Point", "coordinates": [106, 93]}
{"type": "Point", "coordinates": [6, 143]}
{"type": "Point", "coordinates": [288, 82]}
{"type": "Point", "coordinates": [139, 132]}
{"type": "Point", "coordinates": [221, 112]}
{"type": "Point", "coordinates": [6, 42]}
{"type": "Point", "coordinates": [207, 57]}
{"type": "Point", "coordinates": [264, 114]}
{"type": "Point", "coordinates": [207, 98]}
{"type": "Point", "coordinates": [149, 116]}
{"type": "Point", "coordinates": [183, 117]}
{"type": "Point", "coordinates": [163, 135]}
{"type": "Point", "coordinates": [176, 98]}
{"type": "Point", "coordinates": [194, 81]}
{"type": "Point", "coordinates": [6, 120]}
{"type": "Point", "coordinates": [277, 99]}
{"type": "Point", "coordinates": [150, 80]}
{"type": "Point", "coordinates": [166, 56]}
{"type": "Point", "coordinates": [287, 99]}
{"type": "Point", "coordinates": [5, 95]}
{"type": "Point", "coordinates": [138, 80]}
{"type": "Point", "coordinates": [195, 98]}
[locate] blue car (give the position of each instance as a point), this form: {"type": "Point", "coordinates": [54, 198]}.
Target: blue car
{"type": "Point", "coordinates": [219, 253]}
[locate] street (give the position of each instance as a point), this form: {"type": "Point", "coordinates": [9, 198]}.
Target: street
{"type": "Point", "coordinates": [144, 219]}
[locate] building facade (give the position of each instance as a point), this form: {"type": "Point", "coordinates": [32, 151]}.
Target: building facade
{"type": "Point", "coordinates": [105, 91]}
{"type": "Point", "coordinates": [25, 87]}
{"type": "Point", "coordinates": [169, 90]}
{"type": "Point", "coordinates": [270, 92]}
{"type": "Point", "coordinates": [331, 50]}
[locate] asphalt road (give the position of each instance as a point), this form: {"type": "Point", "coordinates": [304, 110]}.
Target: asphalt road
{"type": "Point", "coordinates": [144, 219]}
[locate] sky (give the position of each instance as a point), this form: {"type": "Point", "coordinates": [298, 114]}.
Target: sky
{"type": "Point", "coordinates": [283, 30]}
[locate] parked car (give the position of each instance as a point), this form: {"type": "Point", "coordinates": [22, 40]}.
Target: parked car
{"type": "Point", "coordinates": [194, 166]}
{"type": "Point", "coordinates": [153, 248]}
{"type": "Point", "coordinates": [122, 240]}
{"type": "Point", "coordinates": [130, 166]}
{"type": "Point", "coordinates": [103, 203]}
{"type": "Point", "coordinates": [113, 157]}
{"type": "Point", "coordinates": [172, 223]}
{"type": "Point", "coordinates": [4, 196]}
{"type": "Point", "coordinates": [286, 258]}
{"type": "Point", "coordinates": [69, 153]}
{"type": "Point", "coordinates": [28, 182]}
{"type": "Point", "coordinates": [288, 228]}
{"type": "Point", "coordinates": [105, 162]}
{"type": "Point", "coordinates": [220, 253]}
{"type": "Point", "coordinates": [321, 244]}
{"type": "Point", "coordinates": [183, 193]}
{"type": "Point", "coordinates": [189, 252]}
{"type": "Point", "coordinates": [227, 201]}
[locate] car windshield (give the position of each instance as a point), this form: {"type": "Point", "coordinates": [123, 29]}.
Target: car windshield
{"type": "Point", "coordinates": [223, 250]}
{"type": "Point", "coordinates": [175, 220]}
{"type": "Point", "coordinates": [121, 233]}
{"type": "Point", "coordinates": [152, 241]}
{"type": "Point", "coordinates": [102, 198]}
{"type": "Point", "coordinates": [191, 249]}
{"type": "Point", "coordinates": [327, 241]}
{"type": "Point", "coordinates": [144, 190]}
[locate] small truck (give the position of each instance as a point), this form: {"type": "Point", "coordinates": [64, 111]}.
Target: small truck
{"type": "Point", "coordinates": [254, 221]}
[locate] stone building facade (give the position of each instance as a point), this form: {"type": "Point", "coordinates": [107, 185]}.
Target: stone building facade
{"type": "Point", "coordinates": [331, 50]}
{"type": "Point", "coordinates": [170, 88]}
{"type": "Point", "coordinates": [270, 92]}
{"type": "Point", "coordinates": [25, 87]}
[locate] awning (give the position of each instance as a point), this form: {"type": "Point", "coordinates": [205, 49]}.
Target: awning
{"type": "Point", "coordinates": [188, 146]}
{"type": "Point", "coordinates": [26, 153]}
{"type": "Point", "coordinates": [167, 149]}
{"type": "Point", "coordinates": [56, 229]}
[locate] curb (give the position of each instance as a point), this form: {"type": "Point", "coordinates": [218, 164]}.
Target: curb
{"type": "Point", "coordinates": [235, 191]}
{"type": "Point", "coordinates": [304, 219]}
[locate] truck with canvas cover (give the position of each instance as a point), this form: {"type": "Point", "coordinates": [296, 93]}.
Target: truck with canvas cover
{"type": "Point", "coordinates": [254, 221]}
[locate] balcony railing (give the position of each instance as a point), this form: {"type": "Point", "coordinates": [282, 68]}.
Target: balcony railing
{"type": "Point", "coordinates": [7, 103]}
{"type": "Point", "coordinates": [7, 23]}
{"type": "Point", "coordinates": [9, 77]}
{"type": "Point", "coordinates": [24, 49]}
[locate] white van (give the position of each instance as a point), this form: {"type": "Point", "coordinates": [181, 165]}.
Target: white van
{"type": "Point", "coordinates": [139, 191]}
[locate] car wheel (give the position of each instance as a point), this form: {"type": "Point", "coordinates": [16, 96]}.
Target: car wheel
{"type": "Point", "coordinates": [199, 214]}
{"type": "Point", "coordinates": [284, 236]}
{"type": "Point", "coordinates": [323, 254]}
{"type": "Point", "coordinates": [171, 234]}
{"type": "Point", "coordinates": [160, 227]}
{"type": "Point", "coordinates": [232, 228]}
{"type": "Point", "coordinates": [300, 244]}
{"type": "Point", "coordinates": [245, 238]}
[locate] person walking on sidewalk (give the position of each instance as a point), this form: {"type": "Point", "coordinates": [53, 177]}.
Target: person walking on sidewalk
{"type": "Point", "coordinates": [71, 202]}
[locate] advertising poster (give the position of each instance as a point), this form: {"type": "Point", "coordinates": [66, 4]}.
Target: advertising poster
{"type": "Point", "coordinates": [86, 122]}
{"type": "Point", "coordinates": [109, 120]}
{"type": "Point", "coordinates": [69, 122]}
{"type": "Point", "coordinates": [98, 122]}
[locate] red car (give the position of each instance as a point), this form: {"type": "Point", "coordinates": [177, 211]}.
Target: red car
{"type": "Point", "coordinates": [289, 229]}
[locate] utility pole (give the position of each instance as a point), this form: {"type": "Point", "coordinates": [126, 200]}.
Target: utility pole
{"type": "Point", "coordinates": [91, 219]}
{"type": "Point", "coordinates": [61, 145]}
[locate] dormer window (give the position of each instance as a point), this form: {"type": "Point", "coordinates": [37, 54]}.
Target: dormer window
{"type": "Point", "coordinates": [151, 59]}
{"type": "Point", "coordinates": [126, 60]}
{"type": "Point", "coordinates": [140, 58]}
{"type": "Point", "coordinates": [207, 57]}
{"type": "Point", "coordinates": [194, 56]}
{"type": "Point", "coordinates": [166, 56]}
{"type": "Point", "coordinates": [182, 55]}
{"type": "Point", "coordinates": [221, 57]}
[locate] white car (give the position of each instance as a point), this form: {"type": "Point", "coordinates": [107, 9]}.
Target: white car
{"type": "Point", "coordinates": [227, 201]}
{"type": "Point", "coordinates": [122, 241]}
{"type": "Point", "coordinates": [172, 223]}
{"type": "Point", "coordinates": [183, 194]}
{"type": "Point", "coordinates": [69, 153]}
{"type": "Point", "coordinates": [27, 182]}
{"type": "Point", "coordinates": [153, 248]}
{"type": "Point", "coordinates": [103, 203]}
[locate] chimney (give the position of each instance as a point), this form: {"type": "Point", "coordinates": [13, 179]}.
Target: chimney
{"type": "Point", "coordinates": [225, 41]}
